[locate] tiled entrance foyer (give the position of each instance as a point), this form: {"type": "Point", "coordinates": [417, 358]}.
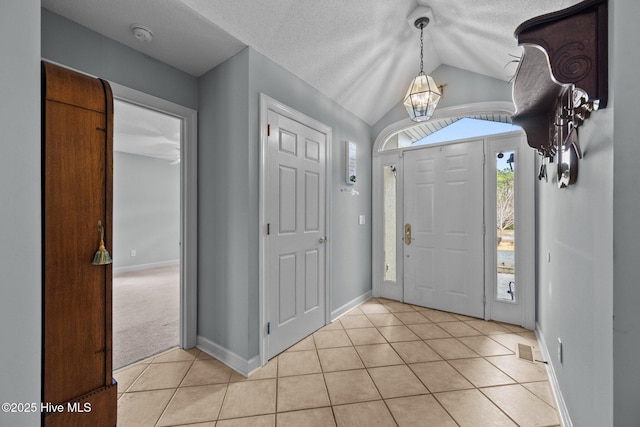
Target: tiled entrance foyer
{"type": "Point", "coordinates": [382, 364]}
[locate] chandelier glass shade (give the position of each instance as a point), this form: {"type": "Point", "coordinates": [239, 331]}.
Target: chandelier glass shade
{"type": "Point", "coordinates": [423, 94]}
{"type": "Point", "coordinates": [422, 98]}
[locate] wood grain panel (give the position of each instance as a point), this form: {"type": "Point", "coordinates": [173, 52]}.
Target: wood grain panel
{"type": "Point", "coordinates": [77, 160]}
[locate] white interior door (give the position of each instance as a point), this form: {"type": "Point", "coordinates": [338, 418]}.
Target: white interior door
{"type": "Point", "coordinates": [444, 247]}
{"type": "Point", "coordinates": [295, 244]}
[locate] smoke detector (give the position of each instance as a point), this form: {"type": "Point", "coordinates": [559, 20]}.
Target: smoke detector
{"type": "Point", "coordinates": [142, 33]}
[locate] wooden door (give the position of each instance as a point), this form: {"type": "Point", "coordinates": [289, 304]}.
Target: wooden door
{"type": "Point", "coordinates": [77, 189]}
{"type": "Point", "coordinates": [443, 205]}
{"type": "Point", "coordinates": [296, 176]}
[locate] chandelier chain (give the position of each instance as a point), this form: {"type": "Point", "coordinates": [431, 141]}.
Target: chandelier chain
{"type": "Point", "coordinates": [421, 47]}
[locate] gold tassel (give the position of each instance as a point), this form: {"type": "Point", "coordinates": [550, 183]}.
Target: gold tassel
{"type": "Point", "coordinates": [102, 256]}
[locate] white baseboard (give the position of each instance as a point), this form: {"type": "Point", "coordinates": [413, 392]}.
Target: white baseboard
{"type": "Point", "coordinates": [553, 380]}
{"type": "Point", "coordinates": [120, 270]}
{"type": "Point", "coordinates": [348, 306]}
{"type": "Point", "coordinates": [228, 357]}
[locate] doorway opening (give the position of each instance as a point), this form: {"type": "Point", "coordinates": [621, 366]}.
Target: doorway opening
{"type": "Point", "coordinates": [146, 232]}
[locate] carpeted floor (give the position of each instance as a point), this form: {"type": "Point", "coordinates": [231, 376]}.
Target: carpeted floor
{"type": "Point", "coordinates": [146, 307]}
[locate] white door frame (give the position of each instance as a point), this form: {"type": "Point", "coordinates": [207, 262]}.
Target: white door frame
{"type": "Point", "coordinates": [267, 103]}
{"type": "Point", "coordinates": [394, 156]}
{"type": "Point", "coordinates": [188, 203]}
{"type": "Point", "coordinates": [381, 157]}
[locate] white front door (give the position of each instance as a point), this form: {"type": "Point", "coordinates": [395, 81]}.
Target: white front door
{"type": "Point", "coordinates": [443, 240]}
{"type": "Point", "coordinates": [295, 173]}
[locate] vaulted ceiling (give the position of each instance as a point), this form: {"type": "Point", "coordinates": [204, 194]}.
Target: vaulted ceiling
{"type": "Point", "coordinates": [360, 53]}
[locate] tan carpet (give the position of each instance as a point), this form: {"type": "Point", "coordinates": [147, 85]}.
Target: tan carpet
{"type": "Point", "coordinates": [146, 307]}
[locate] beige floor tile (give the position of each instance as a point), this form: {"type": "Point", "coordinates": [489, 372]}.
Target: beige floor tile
{"type": "Point", "coordinates": [373, 308]}
{"type": "Point", "coordinates": [302, 392]}
{"type": "Point", "coordinates": [127, 376]}
{"type": "Point", "coordinates": [520, 370]}
{"type": "Point", "coordinates": [378, 355]}
{"type": "Point", "coordinates": [333, 326]}
{"type": "Point", "coordinates": [463, 317]}
{"type": "Point", "coordinates": [398, 307]}
{"type": "Point", "coordinates": [513, 328]}
{"type": "Point", "coordinates": [305, 344]}
{"type": "Point", "coordinates": [415, 351]}
{"type": "Point", "coordinates": [511, 341]}
{"type": "Point", "coordinates": [298, 363]}
{"type": "Point", "coordinates": [318, 417]}
{"type": "Point", "coordinates": [194, 405]}
{"type": "Point", "coordinates": [339, 359]}
{"type": "Point", "coordinates": [384, 319]}
{"type": "Point", "coordinates": [440, 376]}
{"type": "Point", "coordinates": [368, 414]}
{"type": "Point", "coordinates": [412, 318]}
{"type": "Point", "coordinates": [522, 406]}
{"type": "Point", "coordinates": [542, 389]}
{"type": "Point", "coordinates": [354, 312]}
{"type": "Point", "coordinates": [422, 411]}
{"type": "Point", "coordinates": [487, 327]}
{"type": "Point", "coordinates": [356, 321]}
{"type": "Point", "coordinates": [261, 394]}
{"type": "Point", "coordinates": [207, 424]}
{"type": "Point", "coordinates": [429, 331]}
{"type": "Point", "coordinates": [485, 346]}
{"type": "Point", "coordinates": [364, 336]}
{"type": "Point", "coordinates": [396, 381]}
{"type": "Point", "coordinates": [451, 348]}
{"type": "Point", "coordinates": [207, 372]}
{"type": "Point", "coordinates": [330, 339]}
{"type": "Point", "coordinates": [161, 375]}
{"type": "Point", "coordinates": [459, 329]}
{"type": "Point", "coordinates": [176, 355]}
{"type": "Point", "coordinates": [470, 408]}
{"type": "Point", "coordinates": [204, 356]}
{"type": "Point", "coordinates": [142, 408]}
{"type": "Point", "coordinates": [398, 333]}
{"type": "Point", "coordinates": [480, 372]}
{"type": "Point", "coordinates": [259, 421]}
{"type": "Point", "coordinates": [270, 370]}
{"type": "Point", "coordinates": [350, 387]}
{"type": "Point", "coordinates": [439, 316]}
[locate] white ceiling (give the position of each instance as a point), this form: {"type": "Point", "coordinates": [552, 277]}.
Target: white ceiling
{"type": "Point", "coordinates": [360, 53]}
{"type": "Point", "coordinates": [144, 132]}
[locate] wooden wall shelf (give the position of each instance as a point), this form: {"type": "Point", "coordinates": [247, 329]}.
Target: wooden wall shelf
{"type": "Point", "coordinates": [561, 49]}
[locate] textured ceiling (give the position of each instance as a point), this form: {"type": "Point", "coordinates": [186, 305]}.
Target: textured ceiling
{"type": "Point", "coordinates": [360, 53]}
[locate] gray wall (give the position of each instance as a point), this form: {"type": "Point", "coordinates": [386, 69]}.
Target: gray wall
{"type": "Point", "coordinates": [146, 210]}
{"type": "Point", "coordinates": [20, 238]}
{"type": "Point", "coordinates": [626, 211]}
{"type": "Point", "coordinates": [223, 203]}
{"type": "Point", "coordinates": [575, 288]}
{"type": "Point", "coordinates": [77, 47]}
{"type": "Point", "coordinates": [462, 87]}
{"type": "Point", "coordinates": [229, 191]}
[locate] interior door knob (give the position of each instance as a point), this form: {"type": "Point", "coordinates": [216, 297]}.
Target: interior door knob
{"type": "Point", "coordinates": [407, 234]}
{"type": "Point", "coordinates": [323, 240]}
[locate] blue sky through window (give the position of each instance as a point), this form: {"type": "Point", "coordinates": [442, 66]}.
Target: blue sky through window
{"type": "Point", "coordinates": [467, 128]}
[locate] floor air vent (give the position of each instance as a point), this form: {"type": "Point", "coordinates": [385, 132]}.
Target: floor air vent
{"type": "Point", "coordinates": [525, 352]}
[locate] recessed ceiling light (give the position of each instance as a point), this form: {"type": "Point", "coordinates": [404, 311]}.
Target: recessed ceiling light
{"type": "Point", "coordinates": [142, 33]}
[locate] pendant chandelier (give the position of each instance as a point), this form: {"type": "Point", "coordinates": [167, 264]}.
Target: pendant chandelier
{"type": "Point", "coordinates": [423, 94]}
